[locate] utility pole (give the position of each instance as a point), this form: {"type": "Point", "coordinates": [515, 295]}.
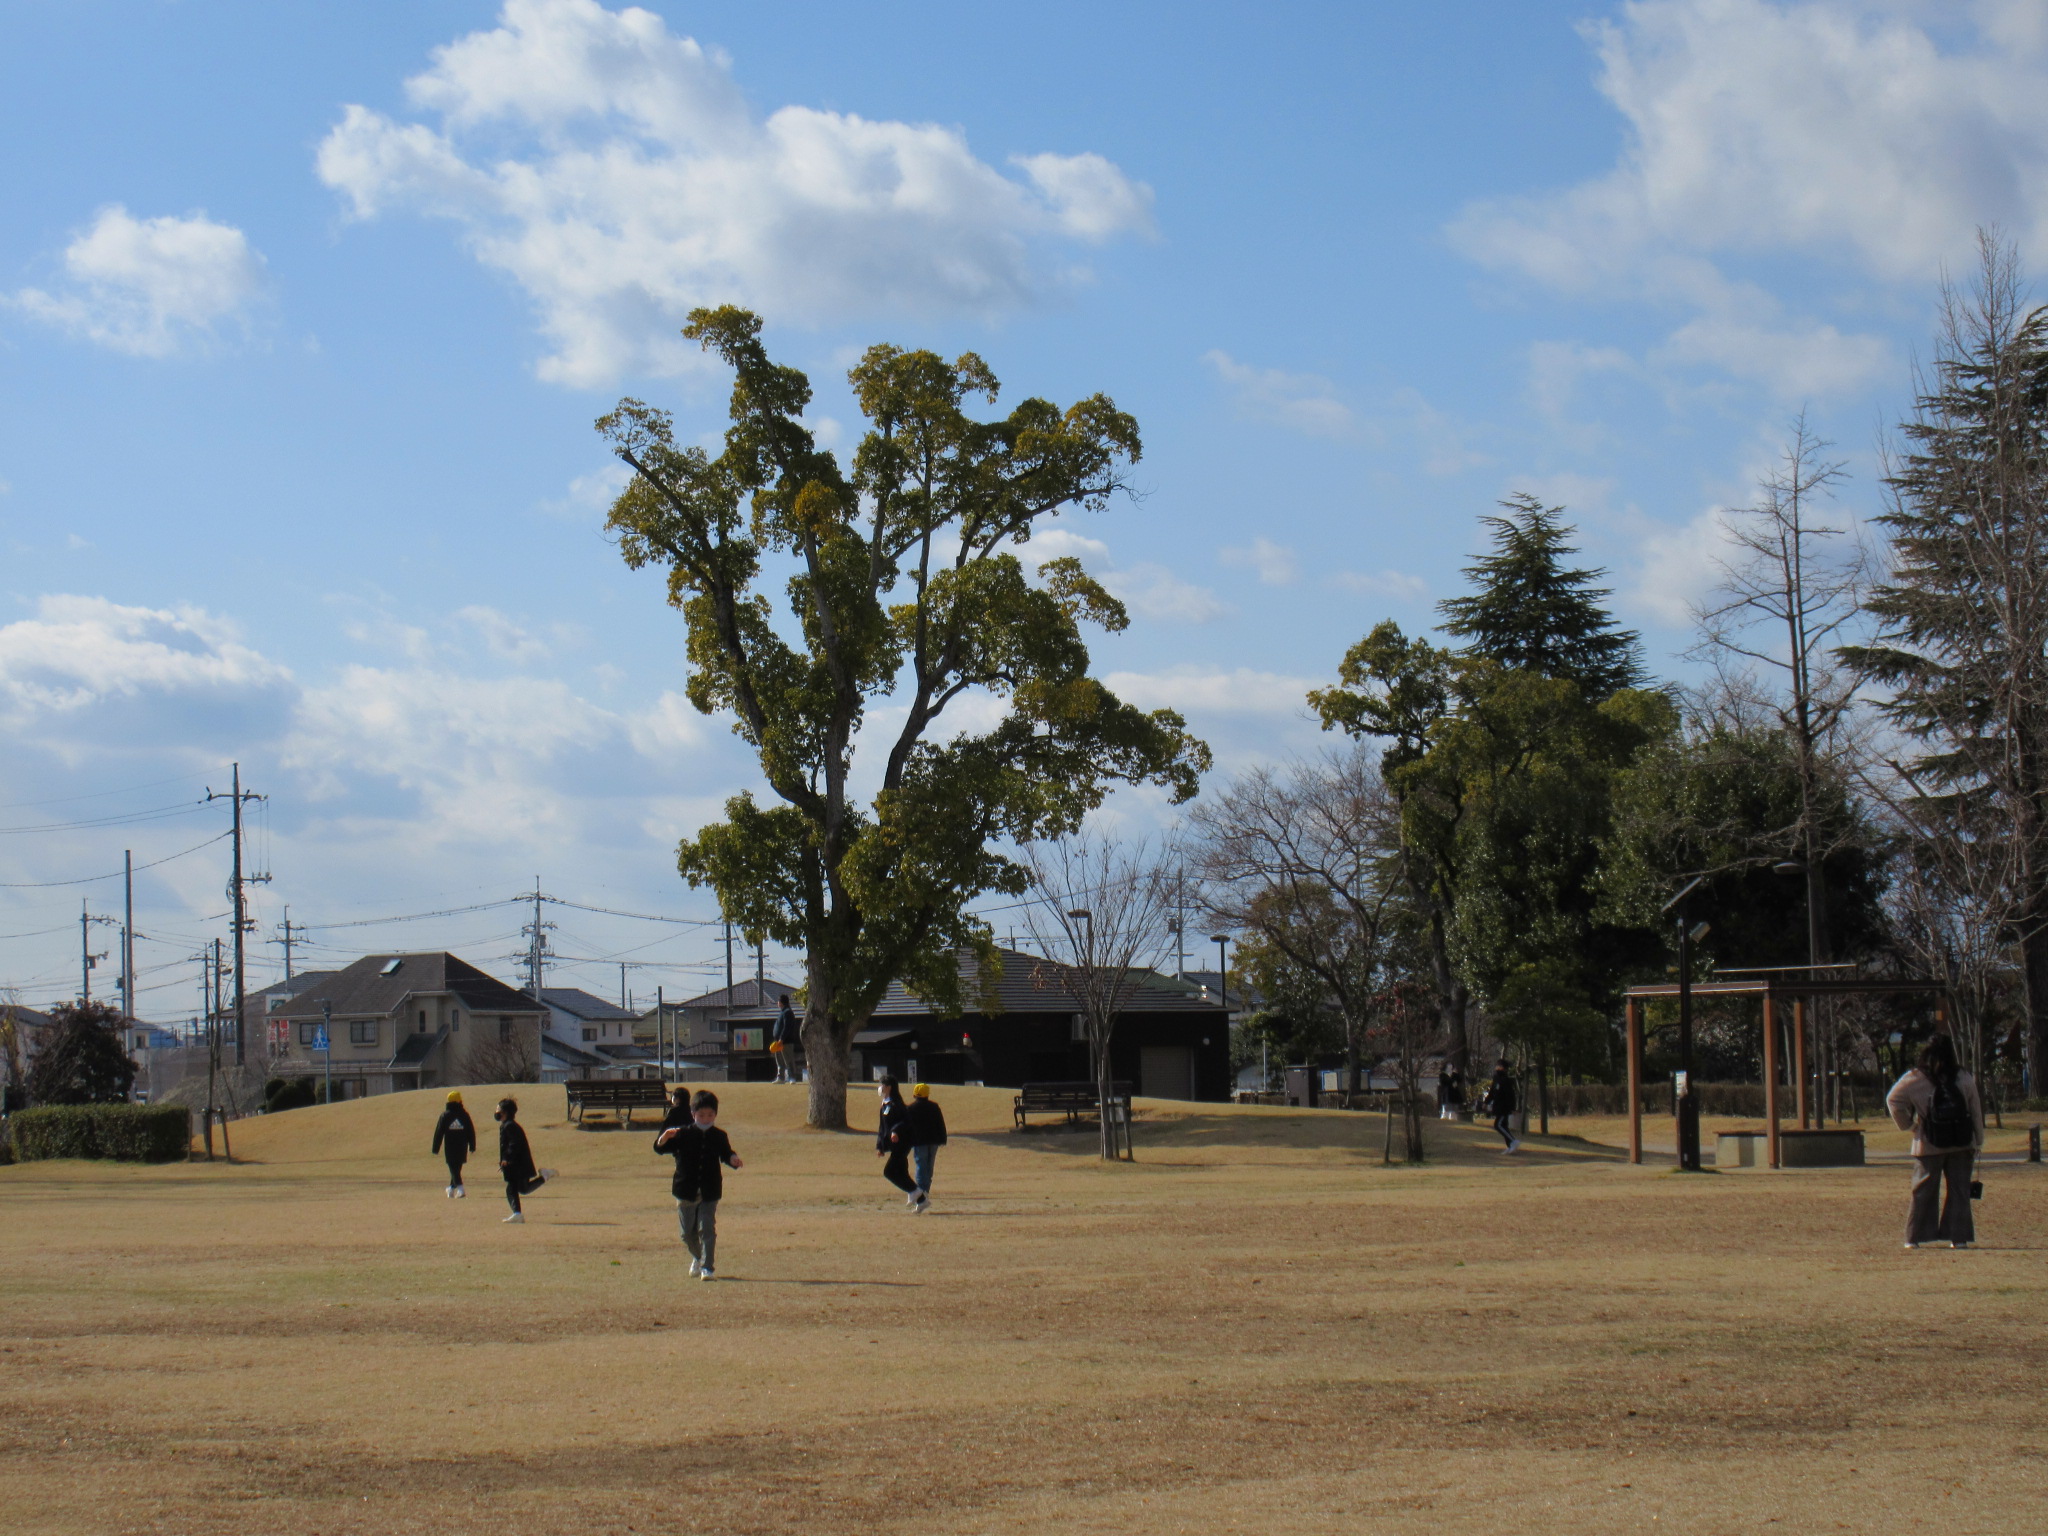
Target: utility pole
{"type": "Point", "coordinates": [661, 1030]}
{"type": "Point", "coordinates": [238, 885]}
{"type": "Point", "coordinates": [536, 947]}
{"type": "Point", "coordinates": [760, 970]}
{"type": "Point", "coordinates": [288, 928]}
{"type": "Point", "coordinates": [128, 932]}
{"type": "Point", "coordinates": [728, 984]}
{"type": "Point", "coordinates": [86, 958]}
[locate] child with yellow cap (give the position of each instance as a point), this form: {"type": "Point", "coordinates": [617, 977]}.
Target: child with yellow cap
{"type": "Point", "coordinates": [923, 1131]}
{"type": "Point", "coordinates": [455, 1139]}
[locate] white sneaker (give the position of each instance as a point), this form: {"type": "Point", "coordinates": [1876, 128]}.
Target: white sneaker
{"type": "Point", "coordinates": [517, 1218]}
{"type": "Point", "coordinates": [696, 1268]}
{"type": "Point", "coordinates": [450, 1191]}
{"type": "Point", "coordinates": [1912, 1245]}
{"type": "Point", "coordinates": [911, 1200]}
{"type": "Point", "coordinates": [706, 1274]}
{"type": "Point", "coordinates": [1959, 1245]}
{"type": "Point", "coordinates": [924, 1203]}
{"type": "Point", "coordinates": [462, 1191]}
{"type": "Point", "coordinates": [551, 1174]}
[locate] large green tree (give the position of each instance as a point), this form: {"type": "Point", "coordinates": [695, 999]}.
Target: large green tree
{"type": "Point", "coordinates": [81, 1060]}
{"type": "Point", "coordinates": [1502, 755]}
{"type": "Point", "coordinates": [901, 587]}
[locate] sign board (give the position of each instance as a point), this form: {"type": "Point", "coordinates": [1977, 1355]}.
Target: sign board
{"type": "Point", "coordinates": [750, 1039]}
{"type": "Point", "coordinates": [320, 1037]}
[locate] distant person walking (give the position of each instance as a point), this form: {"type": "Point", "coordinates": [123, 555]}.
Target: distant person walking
{"type": "Point", "coordinates": [1450, 1093]}
{"type": "Point", "coordinates": [1937, 1101]}
{"type": "Point", "coordinates": [923, 1131]}
{"type": "Point", "coordinates": [888, 1139]}
{"type": "Point", "coordinates": [788, 1040]}
{"type": "Point", "coordinates": [455, 1140]}
{"type": "Point", "coordinates": [1500, 1102]}
{"type": "Point", "coordinates": [702, 1152]}
{"type": "Point", "coordinates": [515, 1159]}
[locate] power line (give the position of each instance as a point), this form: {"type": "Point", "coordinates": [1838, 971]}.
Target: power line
{"type": "Point", "coordinates": [46, 885]}
{"type": "Point", "coordinates": [411, 917]}
{"type": "Point", "coordinates": [22, 805]}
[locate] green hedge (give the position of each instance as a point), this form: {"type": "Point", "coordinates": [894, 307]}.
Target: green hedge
{"type": "Point", "coordinates": [129, 1133]}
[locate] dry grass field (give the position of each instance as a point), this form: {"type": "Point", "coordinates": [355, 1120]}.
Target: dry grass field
{"type": "Point", "coordinates": [1255, 1328]}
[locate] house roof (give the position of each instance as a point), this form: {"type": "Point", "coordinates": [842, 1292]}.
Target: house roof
{"type": "Point", "coordinates": [26, 1017]}
{"type": "Point", "coordinates": [1031, 984]}
{"type": "Point", "coordinates": [583, 1005]}
{"type": "Point", "coordinates": [280, 991]}
{"type": "Point", "coordinates": [765, 995]}
{"type": "Point", "coordinates": [569, 1055]}
{"type": "Point", "coordinates": [378, 984]}
{"type": "Point", "coordinates": [417, 1047]}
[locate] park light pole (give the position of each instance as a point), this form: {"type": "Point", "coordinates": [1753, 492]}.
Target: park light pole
{"type": "Point", "coordinates": [1687, 1104]}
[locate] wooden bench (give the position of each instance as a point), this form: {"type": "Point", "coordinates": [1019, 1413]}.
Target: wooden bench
{"type": "Point", "coordinates": [1071, 1099]}
{"type": "Point", "coordinates": [617, 1096]}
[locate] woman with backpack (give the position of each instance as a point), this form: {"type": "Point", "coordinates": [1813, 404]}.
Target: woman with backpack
{"type": "Point", "coordinates": [1937, 1102]}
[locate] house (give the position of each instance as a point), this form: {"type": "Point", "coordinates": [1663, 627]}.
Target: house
{"type": "Point", "coordinates": [696, 1030]}
{"type": "Point", "coordinates": [21, 1036]}
{"type": "Point", "coordinates": [594, 1029]}
{"type": "Point", "coordinates": [1171, 1040]}
{"type": "Point", "coordinates": [406, 1020]}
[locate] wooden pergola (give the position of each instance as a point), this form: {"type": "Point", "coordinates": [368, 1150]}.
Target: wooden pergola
{"type": "Point", "coordinates": [1769, 989]}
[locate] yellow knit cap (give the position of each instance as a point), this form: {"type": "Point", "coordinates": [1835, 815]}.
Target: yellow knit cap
{"type": "Point", "coordinates": [920, 1092]}
{"type": "Point", "coordinates": [454, 1096]}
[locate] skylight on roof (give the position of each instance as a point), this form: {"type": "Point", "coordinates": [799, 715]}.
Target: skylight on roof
{"type": "Point", "coordinates": [391, 965]}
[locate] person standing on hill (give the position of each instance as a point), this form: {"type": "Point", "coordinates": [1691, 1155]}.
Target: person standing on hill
{"type": "Point", "coordinates": [515, 1159]}
{"type": "Point", "coordinates": [923, 1131]}
{"type": "Point", "coordinates": [888, 1142]}
{"type": "Point", "coordinates": [1937, 1101]}
{"type": "Point", "coordinates": [702, 1152]}
{"type": "Point", "coordinates": [455, 1140]}
{"type": "Point", "coordinates": [787, 1039]}
{"type": "Point", "coordinates": [1500, 1102]}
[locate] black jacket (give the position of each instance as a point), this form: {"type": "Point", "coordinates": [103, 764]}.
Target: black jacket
{"type": "Point", "coordinates": [923, 1125]}
{"type": "Point", "coordinates": [702, 1156]}
{"type": "Point", "coordinates": [515, 1157]}
{"type": "Point", "coordinates": [1500, 1095]}
{"type": "Point", "coordinates": [893, 1111]}
{"type": "Point", "coordinates": [458, 1131]}
{"type": "Point", "coordinates": [787, 1030]}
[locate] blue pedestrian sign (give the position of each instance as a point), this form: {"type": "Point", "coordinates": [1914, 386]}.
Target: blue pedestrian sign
{"type": "Point", "coordinates": [320, 1037]}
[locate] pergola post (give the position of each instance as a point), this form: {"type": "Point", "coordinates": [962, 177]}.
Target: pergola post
{"type": "Point", "coordinates": [1632, 1028]}
{"type": "Point", "coordinates": [1771, 1076]}
{"type": "Point", "coordinates": [1799, 1064]}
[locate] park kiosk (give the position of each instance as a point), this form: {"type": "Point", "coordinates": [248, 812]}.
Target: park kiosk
{"type": "Point", "coordinates": [1772, 990]}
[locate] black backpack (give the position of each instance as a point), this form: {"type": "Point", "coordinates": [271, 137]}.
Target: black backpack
{"type": "Point", "coordinates": [1949, 1124]}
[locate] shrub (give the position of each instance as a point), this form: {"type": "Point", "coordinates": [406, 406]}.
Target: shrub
{"type": "Point", "coordinates": [282, 1093]}
{"type": "Point", "coordinates": [82, 1062]}
{"type": "Point", "coordinates": [129, 1133]}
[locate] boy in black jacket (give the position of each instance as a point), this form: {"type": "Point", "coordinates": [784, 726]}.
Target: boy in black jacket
{"type": "Point", "coordinates": [702, 1152]}
{"type": "Point", "coordinates": [923, 1131]}
{"type": "Point", "coordinates": [515, 1160]}
{"type": "Point", "coordinates": [455, 1140]}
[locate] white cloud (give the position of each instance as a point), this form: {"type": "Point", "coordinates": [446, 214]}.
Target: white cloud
{"type": "Point", "coordinates": [1195, 690]}
{"type": "Point", "coordinates": [1880, 133]}
{"type": "Point", "coordinates": [150, 287]}
{"type": "Point", "coordinates": [79, 653]}
{"type": "Point", "coordinates": [1151, 591]}
{"type": "Point", "coordinates": [616, 172]}
{"type": "Point", "coordinates": [1301, 402]}
{"type": "Point", "coordinates": [1675, 567]}
{"type": "Point", "coordinates": [1275, 564]}
{"type": "Point", "coordinates": [502, 635]}
{"type": "Point", "coordinates": [590, 496]}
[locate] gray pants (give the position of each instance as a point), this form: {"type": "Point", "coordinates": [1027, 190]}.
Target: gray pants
{"type": "Point", "coordinates": [1931, 1174]}
{"type": "Point", "coordinates": [699, 1221]}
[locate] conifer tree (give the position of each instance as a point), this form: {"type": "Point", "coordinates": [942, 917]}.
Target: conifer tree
{"type": "Point", "coordinates": [1530, 612]}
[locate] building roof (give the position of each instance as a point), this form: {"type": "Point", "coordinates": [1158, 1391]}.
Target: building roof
{"type": "Point", "coordinates": [377, 985]}
{"type": "Point", "coordinates": [569, 1055]}
{"type": "Point", "coordinates": [281, 991]}
{"type": "Point", "coordinates": [417, 1047]}
{"type": "Point", "coordinates": [748, 994]}
{"type": "Point", "coordinates": [1031, 984]}
{"type": "Point", "coordinates": [580, 1004]}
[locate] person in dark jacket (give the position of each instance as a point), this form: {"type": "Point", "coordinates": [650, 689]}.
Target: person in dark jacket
{"type": "Point", "coordinates": [890, 1120]}
{"type": "Point", "coordinates": [1500, 1102]}
{"type": "Point", "coordinates": [923, 1131]}
{"type": "Point", "coordinates": [1450, 1093]}
{"type": "Point", "coordinates": [790, 1036]}
{"type": "Point", "coordinates": [455, 1140]}
{"type": "Point", "coordinates": [515, 1159]}
{"type": "Point", "coordinates": [702, 1152]}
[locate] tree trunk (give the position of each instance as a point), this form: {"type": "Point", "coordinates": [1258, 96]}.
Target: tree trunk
{"type": "Point", "coordinates": [2034, 978]}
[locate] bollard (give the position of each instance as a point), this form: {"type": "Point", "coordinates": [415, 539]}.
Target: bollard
{"type": "Point", "coordinates": [2033, 1143]}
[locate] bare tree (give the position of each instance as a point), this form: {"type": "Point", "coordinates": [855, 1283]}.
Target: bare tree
{"type": "Point", "coordinates": [1101, 912]}
{"type": "Point", "coordinates": [1309, 862]}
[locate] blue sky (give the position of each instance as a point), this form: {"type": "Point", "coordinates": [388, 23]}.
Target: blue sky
{"type": "Point", "coordinates": [305, 313]}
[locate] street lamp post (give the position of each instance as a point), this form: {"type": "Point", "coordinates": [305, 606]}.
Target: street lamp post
{"type": "Point", "coordinates": [1687, 1105]}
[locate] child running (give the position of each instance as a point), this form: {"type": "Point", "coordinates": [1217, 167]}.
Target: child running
{"type": "Point", "coordinates": [702, 1152]}
{"type": "Point", "coordinates": [455, 1140]}
{"type": "Point", "coordinates": [515, 1160]}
